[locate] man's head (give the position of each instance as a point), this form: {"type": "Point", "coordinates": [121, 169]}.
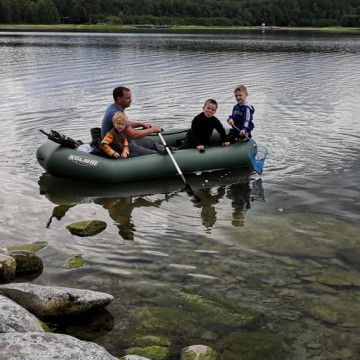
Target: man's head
{"type": "Point", "coordinates": [122, 97]}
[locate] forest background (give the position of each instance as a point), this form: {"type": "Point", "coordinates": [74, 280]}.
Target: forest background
{"type": "Point", "coordinates": [300, 13]}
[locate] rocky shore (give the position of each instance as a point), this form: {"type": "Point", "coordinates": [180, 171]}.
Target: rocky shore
{"type": "Point", "coordinates": [27, 311]}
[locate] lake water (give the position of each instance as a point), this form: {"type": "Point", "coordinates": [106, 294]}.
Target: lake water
{"type": "Point", "coordinates": [286, 246]}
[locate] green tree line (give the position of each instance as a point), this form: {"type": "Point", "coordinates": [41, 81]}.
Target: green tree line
{"type": "Point", "coordinates": [183, 12]}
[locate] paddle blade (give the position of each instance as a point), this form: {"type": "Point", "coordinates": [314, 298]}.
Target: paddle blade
{"type": "Point", "coordinates": [257, 156]}
{"type": "Point", "coordinates": [190, 192]}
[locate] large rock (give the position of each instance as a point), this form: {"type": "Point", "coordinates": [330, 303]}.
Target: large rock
{"type": "Point", "coordinates": [50, 301]}
{"type": "Point", "coordinates": [14, 318]}
{"type": "Point", "coordinates": [46, 346]}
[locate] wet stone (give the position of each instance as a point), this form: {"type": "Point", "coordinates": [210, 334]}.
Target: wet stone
{"type": "Point", "coordinates": [7, 267]}
{"type": "Point", "coordinates": [87, 228]}
{"type": "Point", "coordinates": [52, 301]}
{"type": "Point", "coordinates": [26, 261]}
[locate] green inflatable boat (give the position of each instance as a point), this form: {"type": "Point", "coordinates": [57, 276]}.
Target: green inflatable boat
{"type": "Point", "coordinates": [64, 162]}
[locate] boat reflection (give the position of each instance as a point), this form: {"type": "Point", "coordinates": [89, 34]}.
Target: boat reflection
{"type": "Point", "coordinates": [235, 185]}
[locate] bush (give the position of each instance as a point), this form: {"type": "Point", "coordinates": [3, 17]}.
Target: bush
{"type": "Point", "coordinates": [350, 20]}
{"type": "Point", "coordinates": [325, 23]}
{"type": "Point", "coordinates": [113, 20]}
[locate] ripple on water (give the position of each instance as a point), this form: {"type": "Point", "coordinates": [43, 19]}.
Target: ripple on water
{"type": "Point", "coordinates": [305, 91]}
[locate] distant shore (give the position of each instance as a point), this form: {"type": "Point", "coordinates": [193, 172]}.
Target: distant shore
{"type": "Point", "coordinates": [175, 28]}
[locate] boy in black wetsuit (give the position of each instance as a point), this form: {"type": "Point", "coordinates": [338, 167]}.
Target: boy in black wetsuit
{"type": "Point", "coordinates": [202, 127]}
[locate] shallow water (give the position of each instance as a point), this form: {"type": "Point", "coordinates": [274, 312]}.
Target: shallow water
{"type": "Point", "coordinates": [286, 245]}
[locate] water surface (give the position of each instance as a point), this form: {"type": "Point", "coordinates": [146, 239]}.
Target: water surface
{"type": "Point", "coordinates": [285, 245]}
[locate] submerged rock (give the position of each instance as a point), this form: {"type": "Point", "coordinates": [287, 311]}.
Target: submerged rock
{"type": "Point", "coordinates": [199, 352]}
{"type": "Point", "coordinates": [44, 301]}
{"type": "Point", "coordinates": [154, 352]}
{"type": "Point", "coordinates": [14, 318]}
{"type": "Point", "coordinates": [45, 346]}
{"type": "Point", "coordinates": [74, 262]}
{"type": "Point", "coordinates": [334, 277]}
{"type": "Point", "coordinates": [333, 311]}
{"type": "Point", "coordinates": [87, 228]}
{"type": "Point", "coordinates": [29, 247]}
{"type": "Point", "coordinates": [88, 326]}
{"type": "Point", "coordinates": [249, 346]}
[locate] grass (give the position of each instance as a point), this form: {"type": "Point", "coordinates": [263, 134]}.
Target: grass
{"type": "Point", "coordinates": [120, 28]}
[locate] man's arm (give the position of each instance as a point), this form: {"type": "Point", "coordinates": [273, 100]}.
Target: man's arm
{"type": "Point", "coordinates": [137, 124]}
{"type": "Point", "coordinates": [138, 134]}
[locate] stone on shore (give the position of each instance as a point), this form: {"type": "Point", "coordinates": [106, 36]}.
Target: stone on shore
{"type": "Point", "coordinates": [53, 301]}
{"type": "Point", "coordinates": [45, 346]}
{"type": "Point", "coordinates": [14, 318]}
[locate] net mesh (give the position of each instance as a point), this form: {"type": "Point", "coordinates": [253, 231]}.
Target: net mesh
{"type": "Point", "coordinates": [257, 156]}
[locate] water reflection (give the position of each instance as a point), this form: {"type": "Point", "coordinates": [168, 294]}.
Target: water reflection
{"type": "Point", "coordinates": [121, 201]}
{"type": "Point", "coordinates": [240, 195]}
{"type": "Point", "coordinates": [58, 213]}
{"type": "Point", "coordinates": [120, 210]}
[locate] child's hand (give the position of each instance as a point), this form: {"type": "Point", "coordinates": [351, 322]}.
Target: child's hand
{"type": "Point", "coordinates": [116, 155]}
{"type": "Point", "coordinates": [231, 122]}
{"type": "Point", "coordinates": [200, 147]}
{"type": "Point", "coordinates": [124, 155]}
{"type": "Point", "coordinates": [226, 143]}
{"type": "Point", "coordinates": [242, 132]}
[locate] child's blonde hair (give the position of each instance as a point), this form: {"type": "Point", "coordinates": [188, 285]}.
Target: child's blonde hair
{"type": "Point", "coordinates": [120, 117]}
{"type": "Point", "coordinates": [241, 88]}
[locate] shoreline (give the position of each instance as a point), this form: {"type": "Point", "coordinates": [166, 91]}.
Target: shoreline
{"type": "Point", "coordinates": [175, 28]}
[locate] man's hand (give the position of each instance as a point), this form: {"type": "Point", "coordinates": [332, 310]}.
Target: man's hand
{"type": "Point", "coordinates": [146, 125]}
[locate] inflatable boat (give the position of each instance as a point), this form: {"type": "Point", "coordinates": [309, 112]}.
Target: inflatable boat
{"type": "Point", "coordinates": [63, 162]}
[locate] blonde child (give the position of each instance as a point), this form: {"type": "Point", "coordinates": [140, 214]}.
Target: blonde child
{"type": "Point", "coordinates": [241, 119]}
{"type": "Point", "coordinates": [115, 143]}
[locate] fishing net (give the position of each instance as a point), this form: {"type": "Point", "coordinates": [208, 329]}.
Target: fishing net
{"type": "Point", "coordinates": [257, 156]}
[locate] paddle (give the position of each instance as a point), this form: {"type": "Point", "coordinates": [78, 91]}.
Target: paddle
{"type": "Point", "coordinates": [257, 155]}
{"type": "Point", "coordinates": [188, 188]}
